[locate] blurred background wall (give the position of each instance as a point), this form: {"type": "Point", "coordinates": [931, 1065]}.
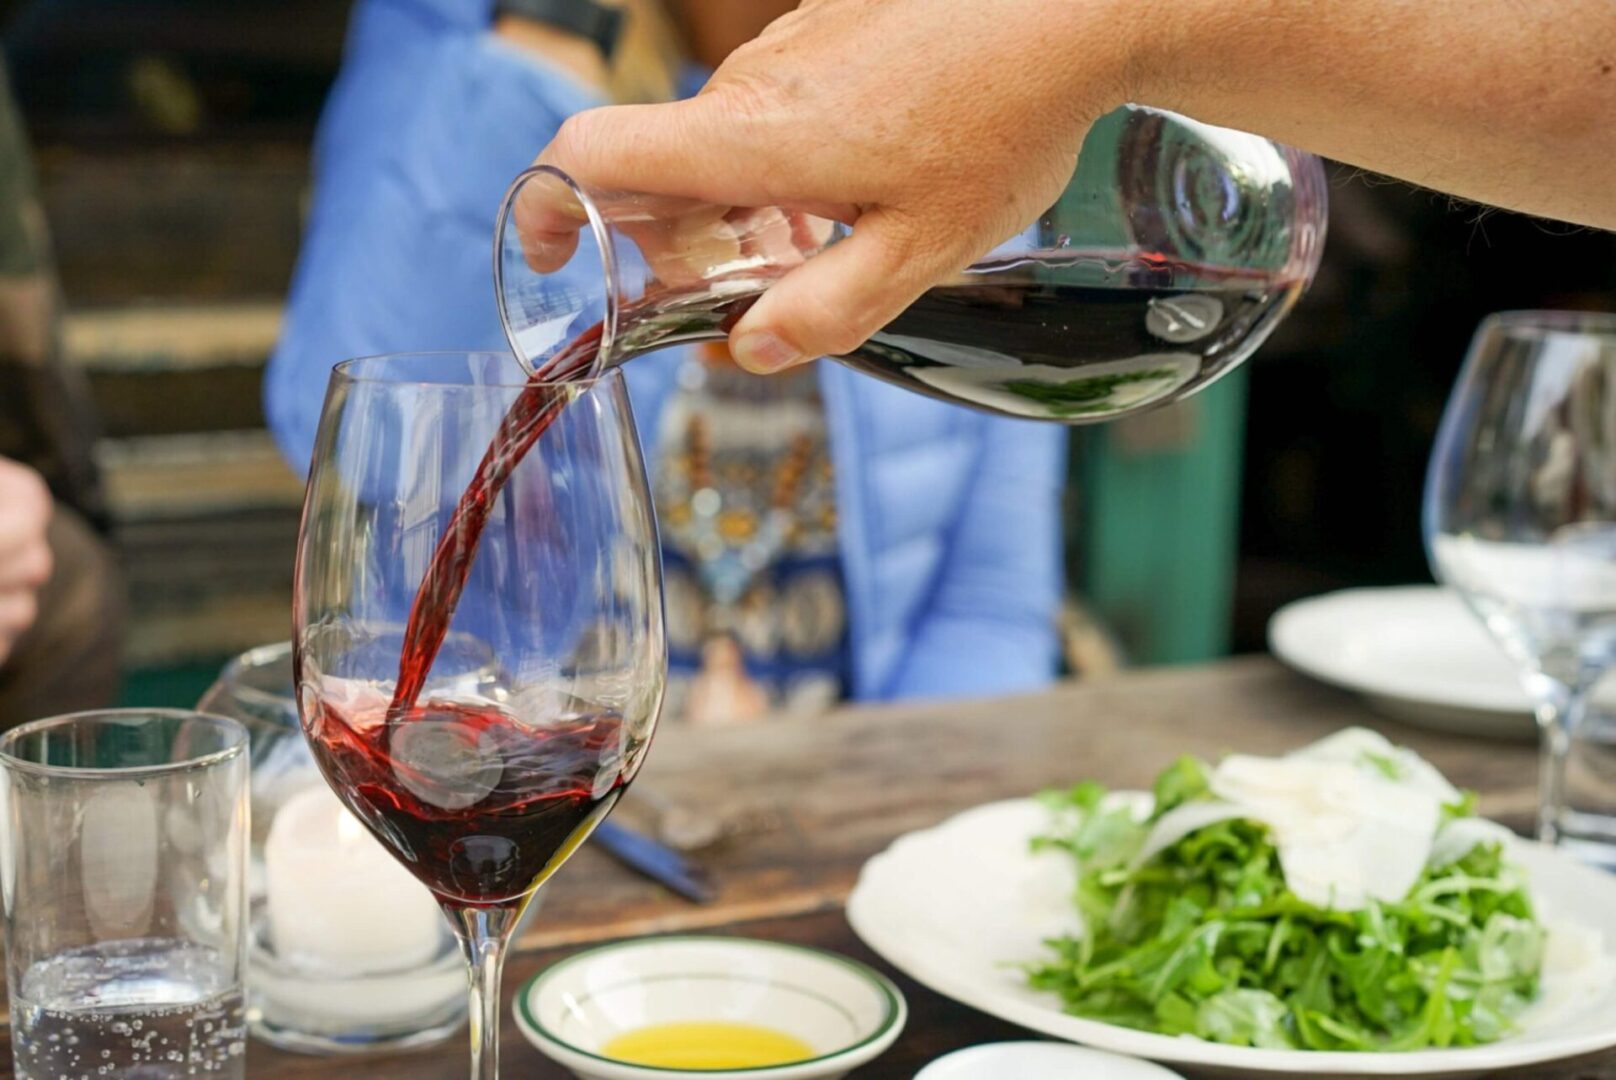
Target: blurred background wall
{"type": "Point", "coordinates": [172, 142]}
{"type": "Point", "coordinates": [171, 139]}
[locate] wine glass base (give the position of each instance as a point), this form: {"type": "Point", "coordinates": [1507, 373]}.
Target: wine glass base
{"type": "Point", "coordinates": [297, 1041]}
{"type": "Point", "coordinates": [1589, 838]}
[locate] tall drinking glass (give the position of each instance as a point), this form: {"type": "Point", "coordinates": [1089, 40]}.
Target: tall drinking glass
{"type": "Point", "coordinates": [124, 853]}
{"type": "Point", "coordinates": [1520, 519]}
{"type": "Point", "coordinates": [450, 495]}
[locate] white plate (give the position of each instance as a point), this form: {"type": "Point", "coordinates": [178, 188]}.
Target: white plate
{"type": "Point", "coordinates": [957, 906]}
{"type": "Point", "coordinates": [1040, 1061]}
{"type": "Point", "coordinates": [1416, 652]}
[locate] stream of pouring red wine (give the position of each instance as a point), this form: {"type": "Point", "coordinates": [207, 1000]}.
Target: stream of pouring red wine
{"type": "Point", "coordinates": [529, 417]}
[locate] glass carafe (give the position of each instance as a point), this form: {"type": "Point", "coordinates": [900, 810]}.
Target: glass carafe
{"type": "Point", "coordinates": [1173, 253]}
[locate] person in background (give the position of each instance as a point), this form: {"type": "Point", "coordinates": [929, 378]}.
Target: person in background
{"type": "Point", "coordinates": [826, 536]}
{"type": "Point", "coordinates": [61, 595]}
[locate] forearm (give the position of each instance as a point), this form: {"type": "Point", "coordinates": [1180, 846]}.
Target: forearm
{"type": "Point", "coordinates": [963, 656]}
{"type": "Point", "coordinates": [1503, 102]}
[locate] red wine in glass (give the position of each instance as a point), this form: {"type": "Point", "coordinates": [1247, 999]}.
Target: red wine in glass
{"type": "Point", "coordinates": [474, 801]}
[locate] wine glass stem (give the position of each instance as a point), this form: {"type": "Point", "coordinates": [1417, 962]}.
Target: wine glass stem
{"type": "Point", "coordinates": [1558, 715]}
{"type": "Point", "coordinates": [483, 933]}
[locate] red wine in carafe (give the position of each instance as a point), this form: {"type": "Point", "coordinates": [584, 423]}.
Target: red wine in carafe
{"type": "Point", "coordinates": [1071, 353]}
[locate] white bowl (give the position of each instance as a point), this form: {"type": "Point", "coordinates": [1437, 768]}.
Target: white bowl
{"type": "Point", "coordinates": [843, 1009]}
{"type": "Point", "coordinates": [1040, 1061]}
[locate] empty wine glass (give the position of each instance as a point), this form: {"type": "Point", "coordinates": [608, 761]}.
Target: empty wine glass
{"type": "Point", "coordinates": [1174, 252]}
{"type": "Point", "coordinates": [448, 496]}
{"type": "Point", "coordinates": [1520, 519]}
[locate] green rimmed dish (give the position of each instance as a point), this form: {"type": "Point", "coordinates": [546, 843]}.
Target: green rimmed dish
{"type": "Point", "coordinates": [846, 1011]}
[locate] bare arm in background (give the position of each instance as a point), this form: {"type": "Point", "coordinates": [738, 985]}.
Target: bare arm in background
{"type": "Point", "coordinates": [942, 127]}
{"type": "Point", "coordinates": [25, 554]}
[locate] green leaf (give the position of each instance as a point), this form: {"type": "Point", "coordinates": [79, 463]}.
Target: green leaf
{"type": "Point", "coordinates": [1245, 1018]}
{"type": "Point", "coordinates": [1185, 780]}
{"type": "Point", "coordinates": [1386, 765]}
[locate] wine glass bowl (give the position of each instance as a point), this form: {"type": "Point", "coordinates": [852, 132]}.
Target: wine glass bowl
{"type": "Point", "coordinates": [1174, 252]}
{"type": "Point", "coordinates": [452, 497]}
{"type": "Point", "coordinates": [1520, 519]}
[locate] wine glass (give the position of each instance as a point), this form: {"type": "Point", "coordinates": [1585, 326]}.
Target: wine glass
{"type": "Point", "coordinates": [1520, 519]}
{"type": "Point", "coordinates": [1175, 250]}
{"type": "Point", "coordinates": [447, 495]}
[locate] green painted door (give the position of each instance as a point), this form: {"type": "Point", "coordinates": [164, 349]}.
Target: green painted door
{"type": "Point", "coordinates": [1153, 543]}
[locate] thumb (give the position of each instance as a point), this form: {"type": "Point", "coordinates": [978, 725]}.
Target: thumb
{"type": "Point", "coordinates": [831, 304]}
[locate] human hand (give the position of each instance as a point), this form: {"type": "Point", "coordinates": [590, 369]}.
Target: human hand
{"type": "Point", "coordinates": [953, 132]}
{"type": "Point", "coordinates": [25, 555]}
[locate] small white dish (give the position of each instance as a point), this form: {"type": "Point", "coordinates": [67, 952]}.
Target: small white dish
{"type": "Point", "coordinates": [846, 1011]}
{"type": "Point", "coordinates": [1415, 652]}
{"type": "Point", "coordinates": [958, 906]}
{"type": "Point", "coordinates": [1040, 1061]}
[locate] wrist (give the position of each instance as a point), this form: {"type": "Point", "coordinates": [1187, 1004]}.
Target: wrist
{"type": "Point", "coordinates": [1163, 49]}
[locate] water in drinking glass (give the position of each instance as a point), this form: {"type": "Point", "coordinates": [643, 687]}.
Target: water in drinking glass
{"type": "Point", "coordinates": [145, 1009]}
{"type": "Point", "coordinates": [125, 855]}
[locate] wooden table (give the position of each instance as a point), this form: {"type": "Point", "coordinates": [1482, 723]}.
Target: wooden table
{"type": "Point", "coordinates": [807, 802]}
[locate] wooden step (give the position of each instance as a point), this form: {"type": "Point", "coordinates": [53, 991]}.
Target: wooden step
{"type": "Point", "coordinates": [148, 338]}
{"type": "Point", "coordinates": [171, 369]}
{"type": "Point", "coordinates": [176, 222]}
{"type": "Point", "coordinates": [168, 477]}
{"type": "Point", "coordinates": [207, 587]}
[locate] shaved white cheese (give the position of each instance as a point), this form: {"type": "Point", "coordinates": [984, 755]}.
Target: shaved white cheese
{"type": "Point", "coordinates": [1353, 817]}
{"type": "Point", "coordinates": [1346, 834]}
{"type": "Point", "coordinates": [1577, 973]}
{"type": "Point", "coordinates": [1360, 746]}
{"type": "Point", "coordinates": [1180, 821]}
{"type": "Point", "coordinates": [1459, 838]}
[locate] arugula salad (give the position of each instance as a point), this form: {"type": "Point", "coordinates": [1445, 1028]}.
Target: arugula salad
{"type": "Point", "coordinates": [1343, 897]}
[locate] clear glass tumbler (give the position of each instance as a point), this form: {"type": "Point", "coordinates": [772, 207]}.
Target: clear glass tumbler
{"type": "Point", "coordinates": [124, 858]}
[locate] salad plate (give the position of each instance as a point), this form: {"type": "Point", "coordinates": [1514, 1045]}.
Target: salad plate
{"type": "Point", "coordinates": [967, 906]}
